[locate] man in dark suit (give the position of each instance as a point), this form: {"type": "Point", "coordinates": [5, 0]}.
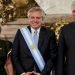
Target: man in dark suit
{"type": "Point", "coordinates": [66, 50]}
{"type": "Point", "coordinates": [23, 60]}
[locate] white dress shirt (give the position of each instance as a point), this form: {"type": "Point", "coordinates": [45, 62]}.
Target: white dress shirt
{"type": "Point", "coordinates": [33, 30]}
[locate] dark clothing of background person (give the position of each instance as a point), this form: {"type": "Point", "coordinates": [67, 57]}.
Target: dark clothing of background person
{"type": "Point", "coordinates": [66, 51]}
{"type": "Point", "coordinates": [5, 46]}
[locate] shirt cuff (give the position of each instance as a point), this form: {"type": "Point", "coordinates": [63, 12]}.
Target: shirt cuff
{"type": "Point", "coordinates": [23, 73]}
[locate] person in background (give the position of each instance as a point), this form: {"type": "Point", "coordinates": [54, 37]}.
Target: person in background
{"type": "Point", "coordinates": [73, 9]}
{"type": "Point", "coordinates": [6, 67]}
{"type": "Point", "coordinates": [66, 48]}
{"type": "Point", "coordinates": [25, 55]}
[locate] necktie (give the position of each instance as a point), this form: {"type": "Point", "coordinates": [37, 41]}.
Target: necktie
{"type": "Point", "coordinates": [36, 43]}
{"type": "Point", "coordinates": [35, 37]}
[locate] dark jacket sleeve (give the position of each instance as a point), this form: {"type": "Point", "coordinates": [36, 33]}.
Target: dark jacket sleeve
{"type": "Point", "coordinates": [8, 47]}
{"type": "Point", "coordinates": [61, 54]}
{"type": "Point", "coordinates": [52, 47]}
{"type": "Point", "coordinates": [15, 53]}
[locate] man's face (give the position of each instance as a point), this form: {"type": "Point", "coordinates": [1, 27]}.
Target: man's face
{"type": "Point", "coordinates": [73, 11]}
{"type": "Point", "coordinates": [35, 19]}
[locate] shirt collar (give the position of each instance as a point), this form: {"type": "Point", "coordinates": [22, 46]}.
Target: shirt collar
{"type": "Point", "coordinates": [33, 30]}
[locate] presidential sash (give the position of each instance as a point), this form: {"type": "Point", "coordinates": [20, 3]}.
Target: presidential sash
{"type": "Point", "coordinates": [33, 48]}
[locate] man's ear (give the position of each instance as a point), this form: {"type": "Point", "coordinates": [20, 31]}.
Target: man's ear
{"type": "Point", "coordinates": [0, 29]}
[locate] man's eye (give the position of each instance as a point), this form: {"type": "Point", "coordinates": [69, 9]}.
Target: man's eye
{"type": "Point", "coordinates": [38, 17]}
{"type": "Point", "coordinates": [73, 11]}
{"type": "Point", "coordinates": [32, 17]}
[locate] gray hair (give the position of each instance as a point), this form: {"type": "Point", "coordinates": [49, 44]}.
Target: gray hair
{"type": "Point", "coordinates": [0, 29]}
{"type": "Point", "coordinates": [73, 4]}
{"type": "Point", "coordinates": [33, 9]}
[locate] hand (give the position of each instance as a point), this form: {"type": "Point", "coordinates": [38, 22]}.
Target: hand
{"type": "Point", "coordinates": [28, 73]}
{"type": "Point", "coordinates": [36, 73]}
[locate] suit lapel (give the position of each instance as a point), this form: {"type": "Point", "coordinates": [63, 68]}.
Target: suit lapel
{"type": "Point", "coordinates": [29, 28]}
{"type": "Point", "coordinates": [41, 39]}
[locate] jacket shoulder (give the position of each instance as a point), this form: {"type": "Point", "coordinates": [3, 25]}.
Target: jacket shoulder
{"type": "Point", "coordinates": [48, 31]}
{"type": "Point", "coordinates": [68, 26]}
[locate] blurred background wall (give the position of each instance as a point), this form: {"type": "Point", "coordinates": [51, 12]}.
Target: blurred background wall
{"type": "Point", "coordinates": [13, 15]}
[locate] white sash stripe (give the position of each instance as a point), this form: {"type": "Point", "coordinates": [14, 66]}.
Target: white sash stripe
{"type": "Point", "coordinates": [33, 48]}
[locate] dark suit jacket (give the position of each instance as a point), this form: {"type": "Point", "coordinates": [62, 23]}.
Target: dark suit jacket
{"type": "Point", "coordinates": [66, 52]}
{"type": "Point", "coordinates": [22, 58]}
{"type": "Point", "coordinates": [5, 46]}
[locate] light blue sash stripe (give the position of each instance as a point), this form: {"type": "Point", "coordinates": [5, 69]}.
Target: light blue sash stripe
{"type": "Point", "coordinates": [33, 48]}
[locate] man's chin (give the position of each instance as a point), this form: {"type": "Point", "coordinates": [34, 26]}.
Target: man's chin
{"type": "Point", "coordinates": [35, 27]}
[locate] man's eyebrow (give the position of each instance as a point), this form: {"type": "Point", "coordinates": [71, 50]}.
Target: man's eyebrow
{"type": "Point", "coordinates": [73, 10]}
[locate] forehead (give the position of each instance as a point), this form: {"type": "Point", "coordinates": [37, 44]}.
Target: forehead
{"type": "Point", "coordinates": [36, 13]}
{"type": "Point", "coordinates": [73, 6]}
